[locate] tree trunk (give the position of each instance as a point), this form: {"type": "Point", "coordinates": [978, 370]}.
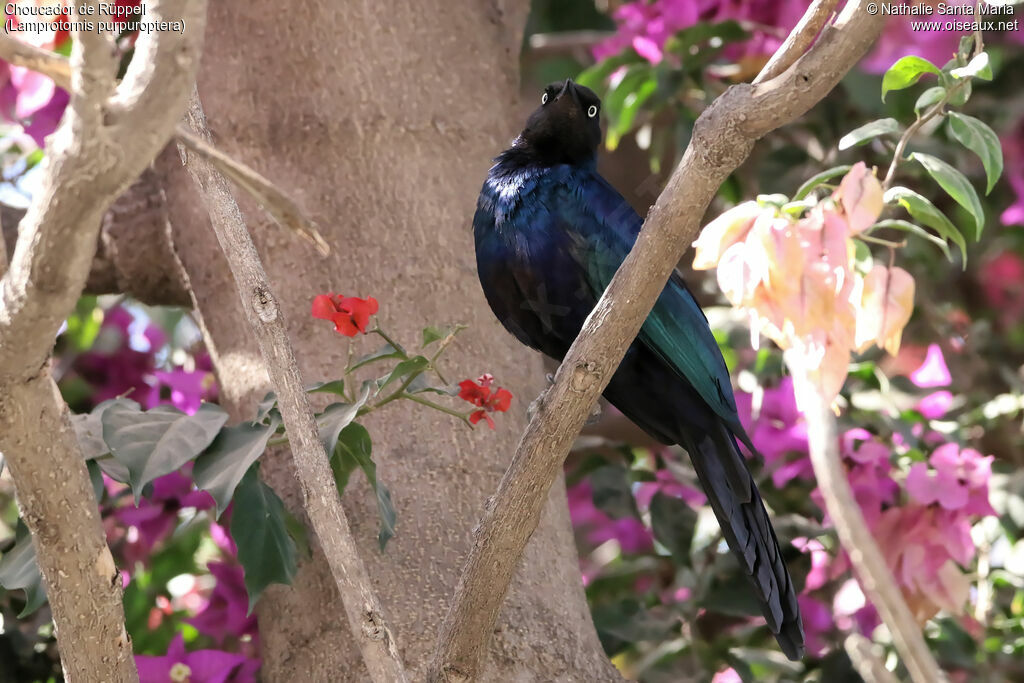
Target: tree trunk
{"type": "Point", "coordinates": [380, 120]}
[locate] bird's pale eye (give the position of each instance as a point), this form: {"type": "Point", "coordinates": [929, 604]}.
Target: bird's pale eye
{"type": "Point", "coordinates": [544, 98]}
{"type": "Point", "coordinates": [592, 112]}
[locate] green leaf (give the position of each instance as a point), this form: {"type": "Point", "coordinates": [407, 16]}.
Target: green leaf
{"type": "Point", "coordinates": [595, 76]}
{"type": "Point", "coordinates": [976, 68]}
{"type": "Point", "coordinates": [976, 136]}
{"type": "Point", "coordinates": [268, 403]}
{"type": "Point", "coordinates": [299, 533]}
{"type": "Point", "coordinates": [929, 98]}
{"type": "Point", "coordinates": [221, 466]}
{"type": "Point", "coordinates": [432, 333]}
{"type": "Point", "coordinates": [905, 73]}
{"type": "Point", "coordinates": [386, 351]}
{"type": "Point", "coordinates": [354, 450]}
{"type": "Point", "coordinates": [631, 106]}
{"type": "Point", "coordinates": [673, 523]}
{"type": "Point", "coordinates": [337, 416]}
{"type": "Point", "coordinates": [868, 132]}
{"type": "Point", "coordinates": [156, 442]}
{"type": "Point", "coordinates": [818, 179]}
{"type": "Point", "coordinates": [335, 386]}
{"type": "Point", "coordinates": [414, 365]}
{"type": "Point", "coordinates": [19, 569]}
{"type": "Point", "coordinates": [266, 551]}
{"type": "Point", "coordinates": [96, 479]}
{"type": "Point", "coordinates": [956, 185]}
{"type": "Point", "coordinates": [924, 211]}
{"type": "Point", "coordinates": [422, 384]}
{"type": "Point", "coordinates": [89, 433]}
{"type": "Point", "coordinates": [906, 226]}
{"type": "Point", "coordinates": [615, 102]}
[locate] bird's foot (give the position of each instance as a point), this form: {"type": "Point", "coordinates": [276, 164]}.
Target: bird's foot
{"type": "Point", "coordinates": [595, 415]}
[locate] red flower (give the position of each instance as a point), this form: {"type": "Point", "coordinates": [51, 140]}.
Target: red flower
{"type": "Point", "coordinates": [479, 394]}
{"type": "Point", "coordinates": [348, 313]}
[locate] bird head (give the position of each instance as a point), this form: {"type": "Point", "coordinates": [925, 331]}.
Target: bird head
{"type": "Point", "coordinates": [566, 127]}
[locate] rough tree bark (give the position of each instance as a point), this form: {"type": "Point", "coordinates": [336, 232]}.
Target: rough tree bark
{"type": "Point", "coordinates": [381, 120]}
{"type": "Point", "coordinates": [109, 134]}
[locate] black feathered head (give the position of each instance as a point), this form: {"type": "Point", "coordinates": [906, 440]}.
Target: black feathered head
{"type": "Point", "coordinates": [566, 127]}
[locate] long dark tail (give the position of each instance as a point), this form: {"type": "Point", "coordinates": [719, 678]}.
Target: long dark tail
{"type": "Point", "coordinates": [740, 511]}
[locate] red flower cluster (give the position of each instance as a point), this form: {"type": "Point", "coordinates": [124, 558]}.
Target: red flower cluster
{"type": "Point", "coordinates": [479, 394]}
{"type": "Point", "coordinates": [349, 314]}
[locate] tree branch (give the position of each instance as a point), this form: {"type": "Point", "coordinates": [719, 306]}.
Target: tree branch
{"type": "Point", "coordinates": [799, 39]}
{"type": "Point", "coordinates": [320, 495]}
{"type": "Point", "coordinates": [875, 578]}
{"type": "Point", "coordinates": [90, 161]}
{"type": "Point", "coordinates": [722, 138]}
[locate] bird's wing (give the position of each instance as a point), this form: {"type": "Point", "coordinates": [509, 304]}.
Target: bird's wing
{"type": "Point", "coordinates": [676, 329]}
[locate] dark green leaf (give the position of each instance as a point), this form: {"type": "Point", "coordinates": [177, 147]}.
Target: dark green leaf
{"type": "Point", "coordinates": [924, 211]}
{"type": "Point", "coordinates": [386, 351]}
{"type": "Point", "coordinates": [673, 523]}
{"type": "Point", "coordinates": [905, 73]}
{"type": "Point", "coordinates": [335, 386]}
{"type": "Point", "coordinates": [929, 98]}
{"type": "Point", "coordinates": [268, 403]}
{"type": "Point", "coordinates": [337, 416]}
{"type": "Point", "coordinates": [414, 365]}
{"type": "Point", "coordinates": [685, 42]}
{"type": "Point", "coordinates": [221, 466]}
{"type": "Point", "coordinates": [959, 95]}
{"type": "Point", "coordinates": [96, 479]}
{"type": "Point", "coordinates": [818, 179]}
{"type": "Point", "coordinates": [18, 569]}
{"type": "Point", "coordinates": [156, 442]}
{"type": "Point", "coordinates": [956, 185]}
{"type": "Point", "coordinates": [354, 450]}
{"type": "Point", "coordinates": [266, 551]}
{"type": "Point", "coordinates": [976, 136]}
{"type": "Point", "coordinates": [868, 132]}
{"type": "Point", "coordinates": [976, 68]}
{"type": "Point", "coordinates": [906, 226]}
{"type": "Point", "coordinates": [299, 533]}
{"type": "Point", "coordinates": [612, 493]}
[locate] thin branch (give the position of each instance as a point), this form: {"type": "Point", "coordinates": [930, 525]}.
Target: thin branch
{"type": "Point", "coordinates": [57, 67]}
{"type": "Point", "coordinates": [799, 39]}
{"type": "Point", "coordinates": [275, 202]}
{"type": "Point", "coordinates": [722, 138]}
{"type": "Point", "coordinates": [281, 207]}
{"type": "Point", "coordinates": [320, 495]}
{"type": "Point", "coordinates": [874, 575]}
{"type": "Point", "coordinates": [89, 162]}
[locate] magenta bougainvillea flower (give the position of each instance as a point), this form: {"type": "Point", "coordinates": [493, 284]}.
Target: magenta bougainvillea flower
{"type": "Point", "coordinates": [199, 666]}
{"type": "Point", "coordinates": [479, 393]}
{"type": "Point", "coordinates": [349, 314]}
{"type": "Point", "coordinates": [225, 615]}
{"type": "Point", "coordinates": [137, 530]}
{"type": "Point", "coordinates": [778, 432]}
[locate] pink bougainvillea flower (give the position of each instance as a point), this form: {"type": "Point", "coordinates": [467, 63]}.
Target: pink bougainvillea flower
{"type": "Point", "coordinates": [778, 432]}
{"type": "Point", "coordinates": [1002, 281]}
{"type": "Point", "coordinates": [726, 676]}
{"type": "Point", "coordinates": [631, 534]}
{"type": "Point", "coordinates": [796, 279]}
{"type": "Point", "coordinates": [199, 666]}
{"type": "Point", "coordinates": [156, 516]}
{"type": "Point", "coordinates": [933, 371]}
{"type": "Point", "coordinates": [936, 404]}
{"type": "Point", "coordinates": [958, 480]}
{"type": "Point", "coordinates": [225, 614]}
{"type": "Point", "coordinates": [668, 485]}
{"type": "Point", "coordinates": [887, 302]}
{"type": "Point", "coordinates": [479, 393]}
{"type": "Point", "coordinates": [349, 314]}
{"type": "Point", "coordinates": [900, 39]}
{"type": "Point", "coordinates": [818, 623]}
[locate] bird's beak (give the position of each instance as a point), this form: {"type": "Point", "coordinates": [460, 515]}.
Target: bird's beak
{"type": "Point", "coordinates": [569, 88]}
